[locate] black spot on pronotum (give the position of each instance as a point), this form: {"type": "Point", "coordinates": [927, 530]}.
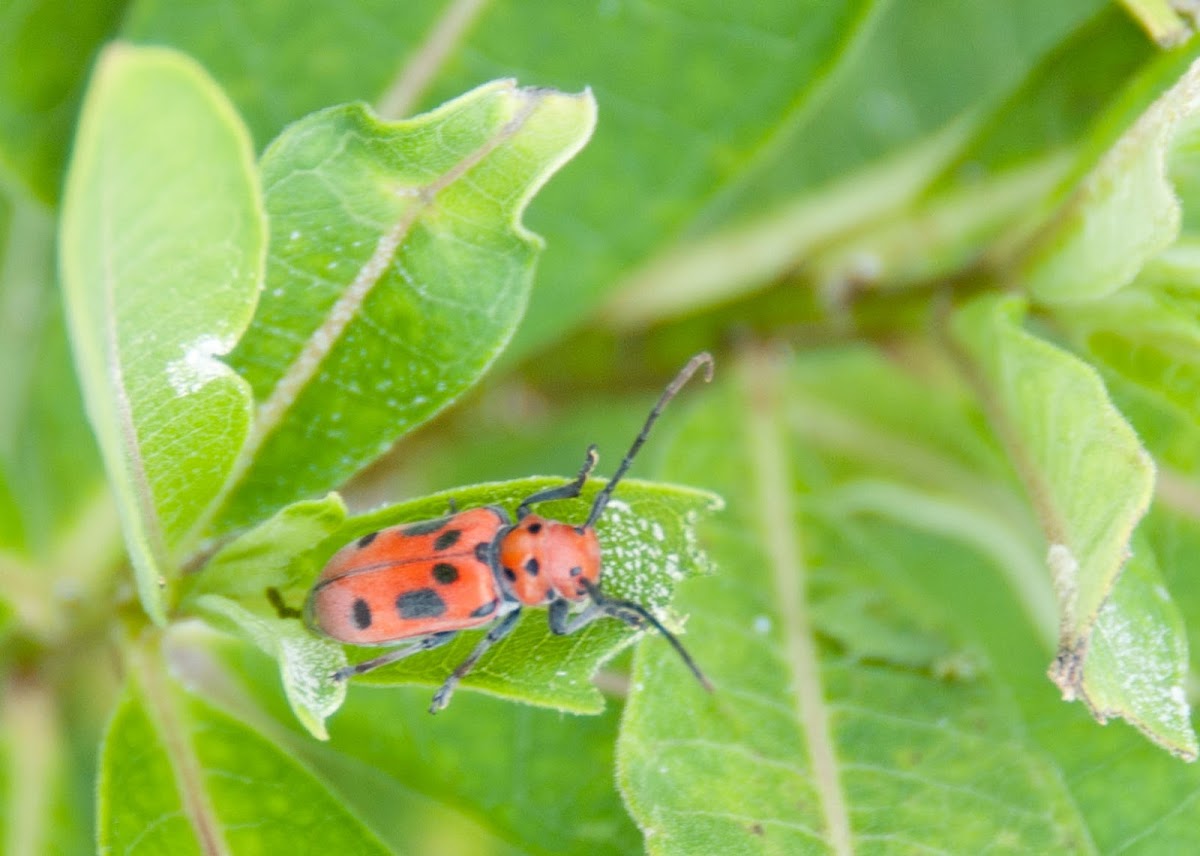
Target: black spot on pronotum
{"type": "Point", "coordinates": [532, 567]}
{"type": "Point", "coordinates": [575, 571]}
{"type": "Point", "coordinates": [510, 574]}
{"type": "Point", "coordinates": [362, 614]}
{"type": "Point", "coordinates": [420, 603]}
{"type": "Point", "coordinates": [445, 573]}
{"type": "Point", "coordinates": [487, 609]}
{"type": "Point", "coordinates": [367, 539]}
{"type": "Point", "coordinates": [483, 552]}
{"type": "Point", "coordinates": [425, 527]}
{"type": "Point", "coordinates": [534, 528]}
{"type": "Point", "coordinates": [447, 539]}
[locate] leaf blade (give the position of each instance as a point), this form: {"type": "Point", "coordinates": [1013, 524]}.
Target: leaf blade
{"type": "Point", "coordinates": [380, 317]}
{"type": "Point", "coordinates": [168, 415]}
{"type": "Point", "coordinates": [910, 709]}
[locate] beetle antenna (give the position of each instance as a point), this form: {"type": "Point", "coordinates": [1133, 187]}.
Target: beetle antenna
{"type": "Point", "coordinates": [701, 359]}
{"type": "Point", "coordinates": [620, 609]}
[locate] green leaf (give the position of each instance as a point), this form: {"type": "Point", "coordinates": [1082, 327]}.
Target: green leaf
{"type": "Point", "coordinates": [1137, 662]}
{"type": "Point", "coordinates": [1145, 339]}
{"type": "Point", "coordinates": [399, 269]}
{"type": "Point", "coordinates": [869, 641]}
{"type": "Point", "coordinates": [305, 660]}
{"type": "Point", "coordinates": [1088, 478]}
{"type": "Point", "coordinates": [1123, 213]}
{"type": "Point", "coordinates": [179, 776]}
{"type": "Point", "coordinates": [832, 167]}
{"type": "Point", "coordinates": [273, 554]}
{"type": "Point", "coordinates": [46, 47]}
{"type": "Point", "coordinates": [277, 555]}
{"type": "Point", "coordinates": [1090, 482]}
{"type": "Point", "coordinates": [162, 172]}
{"type": "Point", "coordinates": [424, 782]}
{"type": "Point", "coordinates": [831, 730]}
{"type": "Point", "coordinates": [648, 540]}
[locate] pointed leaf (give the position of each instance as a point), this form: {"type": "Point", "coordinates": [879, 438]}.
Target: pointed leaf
{"type": "Point", "coordinates": [161, 253]}
{"type": "Point", "coordinates": [399, 268]}
{"type": "Point", "coordinates": [1090, 482]}
{"type": "Point", "coordinates": [1137, 662]}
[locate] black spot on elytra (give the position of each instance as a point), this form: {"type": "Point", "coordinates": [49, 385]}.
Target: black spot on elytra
{"type": "Point", "coordinates": [510, 574]}
{"type": "Point", "coordinates": [425, 527]}
{"type": "Point", "coordinates": [483, 552]}
{"type": "Point", "coordinates": [487, 609]}
{"type": "Point", "coordinates": [532, 567]}
{"type": "Point", "coordinates": [362, 614]}
{"type": "Point", "coordinates": [575, 571]}
{"type": "Point", "coordinates": [366, 539]}
{"type": "Point", "coordinates": [420, 603]}
{"type": "Point", "coordinates": [534, 528]}
{"type": "Point", "coordinates": [445, 573]}
{"type": "Point", "coordinates": [447, 539]}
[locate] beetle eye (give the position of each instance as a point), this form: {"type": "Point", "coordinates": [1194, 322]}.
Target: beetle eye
{"type": "Point", "coordinates": [535, 528]}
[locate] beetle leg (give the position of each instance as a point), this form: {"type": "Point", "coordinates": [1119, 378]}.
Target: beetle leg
{"type": "Point", "coordinates": [562, 623]}
{"type": "Point", "coordinates": [567, 491]}
{"type": "Point", "coordinates": [442, 697]}
{"type": "Point", "coordinates": [426, 643]}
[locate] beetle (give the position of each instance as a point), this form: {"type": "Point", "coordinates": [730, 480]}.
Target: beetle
{"type": "Point", "coordinates": [424, 582]}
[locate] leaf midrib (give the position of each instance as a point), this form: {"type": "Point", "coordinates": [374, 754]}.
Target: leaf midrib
{"type": "Point", "coordinates": [770, 469]}
{"type": "Point", "coordinates": [151, 667]}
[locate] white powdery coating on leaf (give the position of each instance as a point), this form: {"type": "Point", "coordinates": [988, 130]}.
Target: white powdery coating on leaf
{"type": "Point", "coordinates": [1147, 675]}
{"type": "Point", "coordinates": [641, 560]}
{"type": "Point", "coordinates": [198, 365]}
{"type": "Point", "coordinates": [306, 664]}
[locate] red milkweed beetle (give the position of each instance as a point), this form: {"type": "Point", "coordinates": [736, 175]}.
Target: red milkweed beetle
{"type": "Point", "coordinates": [427, 581]}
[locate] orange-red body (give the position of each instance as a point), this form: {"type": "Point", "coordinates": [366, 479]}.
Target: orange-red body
{"type": "Point", "coordinates": [452, 573]}
{"type": "Point", "coordinates": [542, 559]}
{"type": "Point", "coordinates": [411, 580]}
